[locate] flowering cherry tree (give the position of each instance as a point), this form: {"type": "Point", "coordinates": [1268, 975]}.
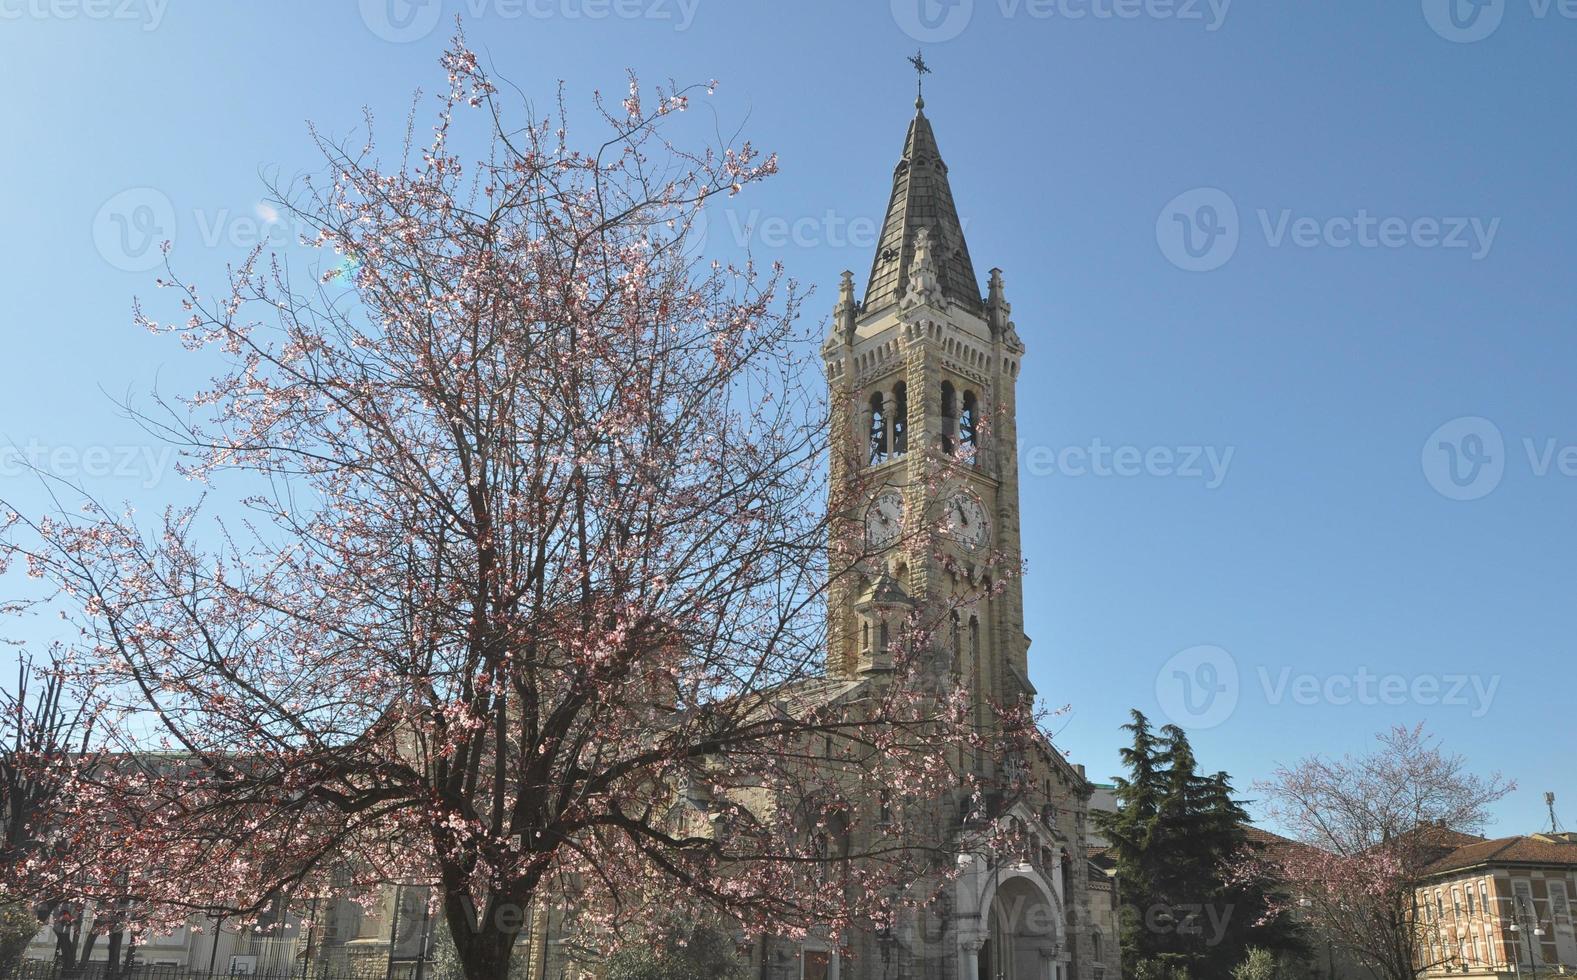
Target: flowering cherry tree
{"type": "Point", "coordinates": [43, 743]}
{"type": "Point", "coordinates": [1368, 826]}
{"type": "Point", "coordinates": [524, 601]}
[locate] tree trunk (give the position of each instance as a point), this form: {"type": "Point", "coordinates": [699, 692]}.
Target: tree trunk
{"type": "Point", "coordinates": [486, 943]}
{"type": "Point", "coordinates": [112, 955]}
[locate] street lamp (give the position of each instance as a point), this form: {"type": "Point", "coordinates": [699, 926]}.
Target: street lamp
{"type": "Point", "coordinates": [1538, 931]}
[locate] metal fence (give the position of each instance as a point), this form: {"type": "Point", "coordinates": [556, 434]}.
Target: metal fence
{"type": "Point", "coordinates": [376, 970]}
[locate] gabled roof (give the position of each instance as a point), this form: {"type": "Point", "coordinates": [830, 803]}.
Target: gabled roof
{"type": "Point", "coordinates": [1265, 838]}
{"type": "Point", "coordinates": [805, 695]}
{"type": "Point", "coordinates": [1440, 836]}
{"type": "Point", "coordinates": [921, 198]}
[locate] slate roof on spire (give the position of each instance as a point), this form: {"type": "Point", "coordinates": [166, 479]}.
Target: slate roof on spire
{"type": "Point", "coordinates": [921, 198]}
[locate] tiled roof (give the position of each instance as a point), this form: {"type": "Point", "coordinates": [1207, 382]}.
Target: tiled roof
{"type": "Point", "coordinates": [1435, 835]}
{"type": "Point", "coordinates": [805, 695]}
{"type": "Point", "coordinates": [1539, 849]}
{"type": "Point", "coordinates": [921, 198]}
{"type": "Point", "coordinates": [1264, 837]}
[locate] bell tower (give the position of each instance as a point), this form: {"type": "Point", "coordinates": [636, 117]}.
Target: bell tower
{"type": "Point", "coordinates": [922, 375]}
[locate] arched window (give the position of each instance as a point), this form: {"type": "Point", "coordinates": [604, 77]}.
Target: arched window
{"type": "Point", "coordinates": [865, 636]}
{"type": "Point", "coordinates": [842, 839]}
{"type": "Point", "coordinates": [975, 678]}
{"type": "Point", "coordinates": [900, 419]}
{"type": "Point", "coordinates": [968, 428]}
{"type": "Point", "coordinates": [883, 647]}
{"type": "Point", "coordinates": [957, 647]}
{"type": "Point", "coordinates": [831, 843]}
{"type": "Point", "coordinates": [878, 430]}
{"type": "Point", "coordinates": [949, 415]}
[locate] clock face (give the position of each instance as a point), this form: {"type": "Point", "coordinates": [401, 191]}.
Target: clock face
{"type": "Point", "coordinates": [966, 521]}
{"type": "Point", "coordinates": [884, 519]}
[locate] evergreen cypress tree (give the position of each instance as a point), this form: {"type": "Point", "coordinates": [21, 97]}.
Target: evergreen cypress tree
{"type": "Point", "coordinates": [1173, 839]}
{"type": "Point", "coordinates": [1130, 832]}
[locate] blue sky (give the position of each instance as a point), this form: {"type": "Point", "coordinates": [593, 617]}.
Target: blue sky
{"type": "Point", "coordinates": [1328, 248]}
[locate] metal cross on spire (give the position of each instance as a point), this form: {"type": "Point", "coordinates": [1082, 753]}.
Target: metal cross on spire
{"type": "Point", "coordinates": [921, 69]}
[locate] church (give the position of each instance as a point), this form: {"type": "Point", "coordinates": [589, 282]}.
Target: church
{"type": "Point", "coordinates": [922, 375]}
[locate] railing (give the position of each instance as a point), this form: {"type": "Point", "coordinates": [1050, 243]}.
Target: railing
{"type": "Point", "coordinates": [282, 970]}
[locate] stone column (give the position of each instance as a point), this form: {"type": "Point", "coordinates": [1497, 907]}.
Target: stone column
{"type": "Point", "coordinates": [969, 958]}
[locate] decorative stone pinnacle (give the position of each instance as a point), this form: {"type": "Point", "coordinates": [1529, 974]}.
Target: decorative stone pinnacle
{"type": "Point", "coordinates": [925, 284]}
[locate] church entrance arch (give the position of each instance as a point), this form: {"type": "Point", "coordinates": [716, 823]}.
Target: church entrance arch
{"type": "Point", "coordinates": [1022, 933]}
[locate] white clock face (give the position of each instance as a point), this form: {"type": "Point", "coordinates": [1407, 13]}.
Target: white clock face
{"type": "Point", "coordinates": [884, 520]}
{"type": "Point", "coordinates": [966, 521]}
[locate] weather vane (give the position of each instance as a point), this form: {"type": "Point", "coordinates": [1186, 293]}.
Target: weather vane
{"type": "Point", "coordinates": [921, 69]}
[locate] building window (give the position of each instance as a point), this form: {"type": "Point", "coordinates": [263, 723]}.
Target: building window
{"type": "Point", "coordinates": [976, 681]}
{"type": "Point", "coordinates": [957, 644]}
{"type": "Point", "coordinates": [1470, 909]}
{"type": "Point", "coordinates": [878, 429]}
{"type": "Point", "coordinates": [1526, 915]}
{"type": "Point", "coordinates": [900, 419]}
{"type": "Point", "coordinates": [949, 415]}
{"type": "Point", "coordinates": [815, 964]}
{"type": "Point", "coordinates": [968, 424]}
{"type": "Point", "coordinates": [1560, 905]}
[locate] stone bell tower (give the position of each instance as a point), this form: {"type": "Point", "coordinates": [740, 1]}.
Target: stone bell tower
{"type": "Point", "coordinates": [925, 462]}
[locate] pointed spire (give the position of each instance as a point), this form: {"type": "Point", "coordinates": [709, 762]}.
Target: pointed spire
{"type": "Point", "coordinates": [921, 198]}
{"type": "Point", "coordinates": [847, 310]}
{"type": "Point", "coordinates": [999, 311]}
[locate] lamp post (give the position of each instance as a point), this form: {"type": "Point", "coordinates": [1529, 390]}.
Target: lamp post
{"type": "Point", "coordinates": [886, 941]}
{"type": "Point", "coordinates": [311, 929]}
{"type": "Point", "coordinates": [1532, 941]}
